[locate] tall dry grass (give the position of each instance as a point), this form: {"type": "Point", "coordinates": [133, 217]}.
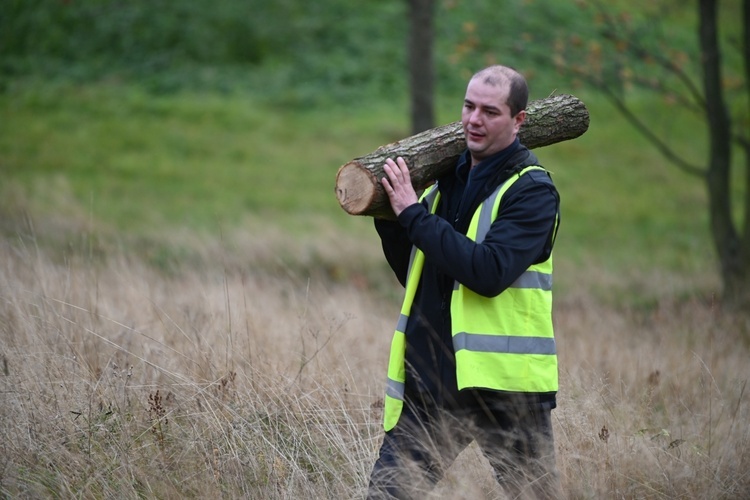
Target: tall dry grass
{"type": "Point", "coordinates": [256, 368]}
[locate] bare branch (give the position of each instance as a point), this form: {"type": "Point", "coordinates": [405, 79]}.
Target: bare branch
{"type": "Point", "coordinates": [743, 142]}
{"type": "Point", "coordinates": [630, 42]}
{"type": "Point", "coordinates": [658, 86]}
{"type": "Point", "coordinates": [654, 139]}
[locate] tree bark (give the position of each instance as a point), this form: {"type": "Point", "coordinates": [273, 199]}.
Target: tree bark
{"type": "Point", "coordinates": [433, 153]}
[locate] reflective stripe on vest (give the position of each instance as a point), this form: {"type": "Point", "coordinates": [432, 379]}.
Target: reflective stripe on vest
{"type": "Point", "coordinates": [504, 344]}
{"type": "Point", "coordinates": [529, 279]}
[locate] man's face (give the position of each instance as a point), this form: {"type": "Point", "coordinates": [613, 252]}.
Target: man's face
{"type": "Point", "coordinates": [486, 119]}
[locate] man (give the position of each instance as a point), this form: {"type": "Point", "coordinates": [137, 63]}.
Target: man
{"type": "Point", "coordinates": [473, 356]}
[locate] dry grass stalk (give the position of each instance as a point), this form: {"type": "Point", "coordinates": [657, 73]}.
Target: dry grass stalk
{"type": "Point", "coordinates": [222, 378]}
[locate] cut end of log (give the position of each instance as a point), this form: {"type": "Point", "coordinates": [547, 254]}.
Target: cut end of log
{"type": "Point", "coordinates": [356, 188]}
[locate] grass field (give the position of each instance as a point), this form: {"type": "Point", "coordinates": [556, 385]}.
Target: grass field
{"type": "Point", "coordinates": [186, 312]}
{"type": "Point", "coordinates": [124, 160]}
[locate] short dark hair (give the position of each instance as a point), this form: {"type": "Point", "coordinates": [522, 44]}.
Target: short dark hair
{"type": "Point", "coordinates": [518, 93]}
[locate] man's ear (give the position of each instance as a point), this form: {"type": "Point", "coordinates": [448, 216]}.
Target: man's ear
{"type": "Point", "coordinates": [519, 119]}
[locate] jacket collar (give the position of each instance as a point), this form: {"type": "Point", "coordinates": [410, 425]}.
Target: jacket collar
{"type": "Point", "coordinates": [486, 167]}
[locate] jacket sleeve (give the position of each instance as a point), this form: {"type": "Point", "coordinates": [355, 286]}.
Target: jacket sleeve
{"type": "Point", "coordinates": [521, 235]}
{"type": "Point", "coordinates": [396, 247]}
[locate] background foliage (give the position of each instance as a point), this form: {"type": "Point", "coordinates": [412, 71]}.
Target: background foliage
{"type": "Point", "coordinates": [288, 49]}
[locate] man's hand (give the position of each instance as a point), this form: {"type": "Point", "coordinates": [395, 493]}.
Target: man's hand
{"type": "Point", "coordinates": [397, 185]}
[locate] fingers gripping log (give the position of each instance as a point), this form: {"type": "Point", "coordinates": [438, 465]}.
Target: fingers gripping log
{"type": "Point", "coordinates": [433, 153]}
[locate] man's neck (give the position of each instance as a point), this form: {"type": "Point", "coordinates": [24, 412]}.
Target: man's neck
{"type": "Point", "coordinates": [475, 161]}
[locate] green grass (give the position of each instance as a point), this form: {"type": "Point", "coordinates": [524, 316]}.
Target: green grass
{"type": "Point", "coordinates": [191, 160]}
{"type": "Point", "coordinates": [141, 164]}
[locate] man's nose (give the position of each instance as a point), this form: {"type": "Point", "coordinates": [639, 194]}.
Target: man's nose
{"type": "Point", "coordinates": [475, 117]}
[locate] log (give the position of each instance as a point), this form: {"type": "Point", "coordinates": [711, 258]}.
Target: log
{"type": "Point", "coordinates": [433, 153]}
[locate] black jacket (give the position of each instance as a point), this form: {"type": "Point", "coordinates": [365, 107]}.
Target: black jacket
{"type": "Point", "coordinates": [522, 235]}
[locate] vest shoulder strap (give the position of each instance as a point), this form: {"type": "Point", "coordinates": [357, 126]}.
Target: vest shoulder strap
{"type": "Point", "coordinates": [490, 206]}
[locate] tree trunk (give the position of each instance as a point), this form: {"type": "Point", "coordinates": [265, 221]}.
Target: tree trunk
{"type": "Point", "coordinates": [433, 153]}
{"type": "Point", "coordinates": [740, 284]}
{"type": "Point", "coordinates": [734, 269]}
{"type": "Point", "coordinates": [421, 67]}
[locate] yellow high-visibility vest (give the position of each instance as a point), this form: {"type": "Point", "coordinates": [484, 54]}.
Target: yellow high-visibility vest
{"type": "Point", "coordinates": [503, 343]}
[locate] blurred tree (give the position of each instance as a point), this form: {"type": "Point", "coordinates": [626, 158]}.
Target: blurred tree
{"type": "Point", "coordinates": [421, 64]}
{"type": "Point", "coordinates": [623, 52]}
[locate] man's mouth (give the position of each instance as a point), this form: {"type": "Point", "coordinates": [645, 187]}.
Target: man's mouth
{"type": "Point", "coordinates": [475, 136]}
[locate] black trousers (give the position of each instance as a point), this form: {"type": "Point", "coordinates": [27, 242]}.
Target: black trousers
{"type": "Point", "coordinates": [514, 433]}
